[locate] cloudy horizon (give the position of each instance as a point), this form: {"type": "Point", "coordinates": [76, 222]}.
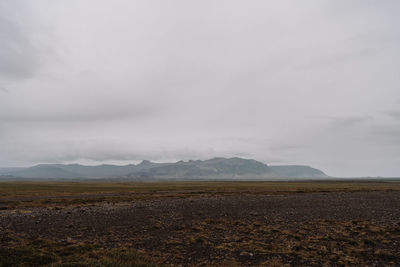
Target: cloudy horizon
{"type": "Point", "coordinates": [282, 82]}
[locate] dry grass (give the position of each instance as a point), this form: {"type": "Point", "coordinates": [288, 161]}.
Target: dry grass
{"type": "Point", "coordinates": [40, 252]}
{"type": "Point", "coordinates": [70, 188]}
{"type": "Point", "coordinates": [31, 194]}
{"type": "Point", "coordinates": [231, 243]}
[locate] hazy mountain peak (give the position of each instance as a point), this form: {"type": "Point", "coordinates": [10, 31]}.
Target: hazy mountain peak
{"type": "Point", "coordinates": [145, 162]}
{"type": "Point", "coordinates": [215, 168]}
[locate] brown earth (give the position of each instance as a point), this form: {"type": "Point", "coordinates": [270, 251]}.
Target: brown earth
{"type": "Point", "coordinates": [298, 229]}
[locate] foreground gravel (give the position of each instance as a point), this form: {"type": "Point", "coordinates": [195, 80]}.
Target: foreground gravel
{"type": "Point", "coordinates": [219, 229]}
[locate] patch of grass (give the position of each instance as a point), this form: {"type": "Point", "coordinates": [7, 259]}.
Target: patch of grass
{"type": "Point", "coordinates": [25, 256]}
{"type": "Point", "coordinates": [15, 189]}
{"type": "Point", "coordinates": [46, 253]}
{"type": "Point", "coordinates": [14, 195]}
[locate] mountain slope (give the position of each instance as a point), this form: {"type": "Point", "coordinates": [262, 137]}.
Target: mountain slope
{"type": "Point", "coordinates": [215, 168]}
{"type": "Point", "coordinates": [212, 168]}
{"type": "Point", "coordinates": [297, 171]}
{"type": "Point", "coordinates": [45, 171]}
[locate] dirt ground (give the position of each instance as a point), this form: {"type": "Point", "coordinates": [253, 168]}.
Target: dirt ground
{"type": "Point", "coordinates": [298, 229]}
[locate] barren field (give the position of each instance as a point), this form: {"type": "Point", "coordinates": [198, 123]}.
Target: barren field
{"type": "Point", "coordinates": [200, 224]}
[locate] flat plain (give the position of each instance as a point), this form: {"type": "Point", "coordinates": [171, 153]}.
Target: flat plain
{"type": "Point", "coordinates": [331, 223]}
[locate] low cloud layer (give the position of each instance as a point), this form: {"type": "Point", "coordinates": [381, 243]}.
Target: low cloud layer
{"type": "Point", "coordinates": [283, 82]}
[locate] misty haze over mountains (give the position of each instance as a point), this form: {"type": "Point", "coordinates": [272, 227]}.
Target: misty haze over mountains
{"type": "Point", "coordinates": [215, 168]}
{"type": "Point", "coordinates": [114, 82]}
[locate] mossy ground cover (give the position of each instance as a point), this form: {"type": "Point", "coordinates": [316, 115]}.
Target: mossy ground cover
{"type": "Point", "coordinates": [16, 251]}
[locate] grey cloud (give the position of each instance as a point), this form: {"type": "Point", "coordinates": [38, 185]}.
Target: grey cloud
{"type": "Point", "coordinates": [277, 81]}
{"type": "Point", "coordinates": [348, 122]}
{"type": "Point", "coordinates": [284, 148]}
{"type": "Point", "coordinates": [391, 134]}
{"type": "Point", "coordinates": [19, 55]}
{"type": "Point", "coordinates": [90, 115]}
{"type": "Point", "coordinates": [394, 114]}
{"type": "Point", "coordinates": [340, 59]}
{"type": "Point", "coordinates": [98, 151]}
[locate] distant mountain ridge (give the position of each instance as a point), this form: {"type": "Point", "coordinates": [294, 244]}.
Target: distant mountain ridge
{"type": "Point", "coordinates": [215, 168]}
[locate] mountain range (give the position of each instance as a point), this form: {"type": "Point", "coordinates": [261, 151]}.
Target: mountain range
{"type": "Point", "coordinates": [215, 168]}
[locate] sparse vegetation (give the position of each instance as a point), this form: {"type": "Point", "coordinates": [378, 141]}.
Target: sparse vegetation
{"type": "Point", "coordinates": [30, 194]}
{"type": "Point", "coordinates": [200, 224]}
{"type": "Point", "coordinates": [57, 254]}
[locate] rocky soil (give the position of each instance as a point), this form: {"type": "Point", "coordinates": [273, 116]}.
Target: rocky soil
{"type": "Point", "coordinates": [313, 229]}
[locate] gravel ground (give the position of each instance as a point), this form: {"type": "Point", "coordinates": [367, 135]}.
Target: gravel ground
{"type": "Point", "coordinates": [347, 228]}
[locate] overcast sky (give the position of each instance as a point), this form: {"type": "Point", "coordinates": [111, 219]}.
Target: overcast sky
{"type": "Point", "coordinates": [284, 82]}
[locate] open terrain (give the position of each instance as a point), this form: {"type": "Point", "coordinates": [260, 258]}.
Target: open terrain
{"type": "Point", "coordinates": [200, 224]}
